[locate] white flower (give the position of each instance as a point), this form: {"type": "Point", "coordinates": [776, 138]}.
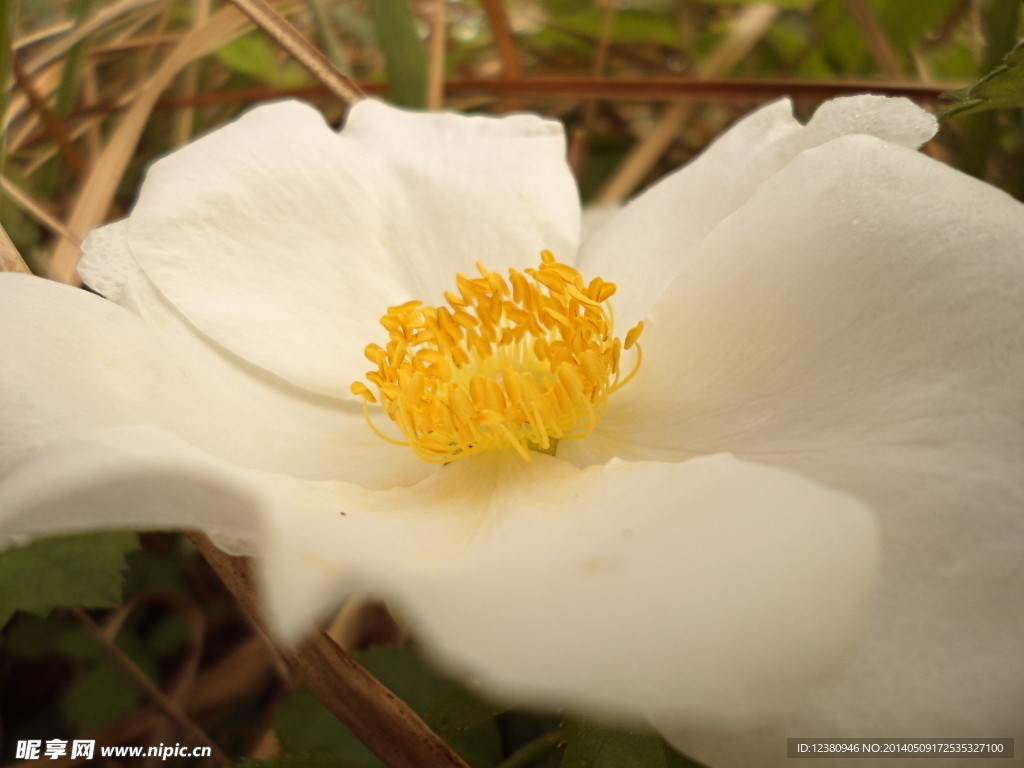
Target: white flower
{"type": "Point", "coordinates": [833, 326]}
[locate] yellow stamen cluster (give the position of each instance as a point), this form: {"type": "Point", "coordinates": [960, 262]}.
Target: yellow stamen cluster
{"type": "Point", "coordinates": [503, 366]}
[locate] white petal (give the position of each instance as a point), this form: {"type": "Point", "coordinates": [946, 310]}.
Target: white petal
{"type": "Point", "coordinates": [711, 590]}
{"type": "Point", "coordinates": [285, 242]}
{"type": "Point", "coordinates": [73, 362]}
{"type": "Point", "coordinates": [858, 321]}
{"type": "Point", "coordinates": [128, 477]}
{"type": "Point", "coordinates": [643, 248]}
{"type": "Point", "coordinates": [106, 263]}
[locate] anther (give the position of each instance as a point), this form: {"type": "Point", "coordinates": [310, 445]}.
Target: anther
{"type": "Point", "coordinates": [514, 364]}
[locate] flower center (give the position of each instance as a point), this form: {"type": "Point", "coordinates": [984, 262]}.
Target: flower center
{"type": "Point", "coordinates": [519, 367]}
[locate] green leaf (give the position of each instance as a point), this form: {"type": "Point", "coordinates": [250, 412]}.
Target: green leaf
{"type": "Point", "coordinates": [458, 711]}
{"type": "Point", "coordinates": [404, 60]}
{"type": "Point", "coordinates": [675, 759]}
{"type": "Point", "coordinates": [592, 745]}
{"type": "Point", "coordinates": [304, 726]}
{"type": "Point", "coordinates": [629, 26]}
{"type": "Point", "coordinates": [1002, 88]}
{"type": "Point", "coordinates": [779, 3]}
{"type": "Point", "coordinates": [252, 55]}
{"type": "Point", "coordinates": [83, 571]}
{"type": "Point", "coordinates": [98, 696]}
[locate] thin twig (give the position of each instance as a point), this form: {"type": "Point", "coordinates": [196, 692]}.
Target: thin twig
{"type": "Point", "coordinates": [166, 705]}
{"type": "Point", "coordinates": [243, 673]}
{"type": "Point", "coordinates": [289, 38]}
{"type": "Point", "coordinates": [435, 70]}
{"type": "Point", "coordinates": [874, 38]}
{"type": "Point", "coordinates": [508, 53]}
{"type": "Point", "coordinates": [578, 149]}
{"type": "Point", "coordinates": [533, 751]}
{"type": "Point", "coordinates": [385, 724]}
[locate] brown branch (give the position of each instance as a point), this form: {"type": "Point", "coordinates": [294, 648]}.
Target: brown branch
{"type": "Point", "coordinates": [289, 38]}
{"type": "Point", "coordinates": [162, 701]}
{"type": "Point", "coordinates": [741, 90]}
{"type": "Point", "coordinates": [385, 724]}
{"type": "Point", "coordinates": [508, 53]}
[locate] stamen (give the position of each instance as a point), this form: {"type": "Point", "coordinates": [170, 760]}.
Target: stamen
{"type": "Point", "coordinates": [518, 363]}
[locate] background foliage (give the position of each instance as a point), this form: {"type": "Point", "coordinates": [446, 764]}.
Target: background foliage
{"type": "Point", "coordinates": [81, 65]}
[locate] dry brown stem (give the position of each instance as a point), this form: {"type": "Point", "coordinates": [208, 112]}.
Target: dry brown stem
{"type": "Point", "coordinates": [435, 71]}
{"type": "Point", "coordinates": [289, 38]}
{"type": "Point", "coordinates": [10, 259]}
{"type": "Point", "coordinates": [384, 723]}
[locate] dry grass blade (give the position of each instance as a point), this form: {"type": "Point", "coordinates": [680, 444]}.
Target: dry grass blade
{"type": "Point", "coordinates": [385, 724]}
{"type": "Point", "coordinates": [185, 119]}
{"type": "Point", "coordinates": [97, 192]}
{"type": "Point", "coordinates": [289, 38]}
{"type": "Point", "coordinates": [53, 124]}
{"type": "Point", "coordinates": [578, 148]}
{"type": "Point", "coordinates": [748, 28]}
{"type": "Point", "coordinates": [42, 34]}
{"type": "Point", "coordinates": [166, 705]}
{"type": "Point", "coordinates": [435, 73]}
{"type": "Point", "coordinates": [35, 209]}
{"type": "Point", "coordinates": [97, 22]}
{"type": "Point", "coordinates": [874, 38]}
{"type": "Point", "coordinates": [10, 259]}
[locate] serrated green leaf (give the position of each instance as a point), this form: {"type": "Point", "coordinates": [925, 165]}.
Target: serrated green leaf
{"type": "Point", "coordinates": [253, 55]}
{"type": "Point", "coordinates": [82, 571]}
{"type": "Point", "coordinates": [1002, 88]}
{"type": "Point", "coordinates": [592, 745]}
{"type": "Point", "coordinates": [404, 59]}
